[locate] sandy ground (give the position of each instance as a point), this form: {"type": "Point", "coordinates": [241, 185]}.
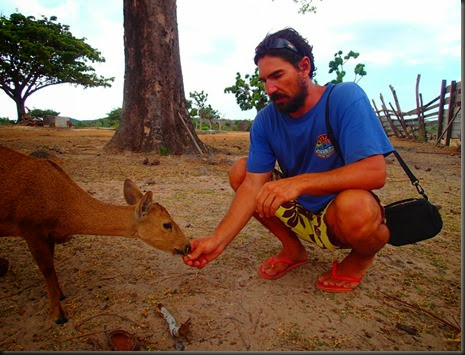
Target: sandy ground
{"type": "Point", "coordinates": [409, 300]}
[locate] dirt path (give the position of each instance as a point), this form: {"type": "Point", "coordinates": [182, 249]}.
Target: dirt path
{"type": "Point", "coordinates": [409, 300]}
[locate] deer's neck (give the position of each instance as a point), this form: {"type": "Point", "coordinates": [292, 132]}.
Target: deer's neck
{"type": "Point", "coordinates": [100, 218]}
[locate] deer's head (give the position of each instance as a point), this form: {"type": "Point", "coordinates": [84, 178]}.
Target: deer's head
{"type": "Point", "coordinates": [154, 224]}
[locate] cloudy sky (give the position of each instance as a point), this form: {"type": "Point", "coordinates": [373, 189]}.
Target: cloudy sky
{"type": "Point", "coordinates": [396, 39]}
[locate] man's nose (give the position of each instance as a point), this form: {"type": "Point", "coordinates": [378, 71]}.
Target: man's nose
{"type": "Point", "coordinates": [270, 88]}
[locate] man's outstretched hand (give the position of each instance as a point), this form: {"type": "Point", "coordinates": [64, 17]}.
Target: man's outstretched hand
{"type": "Point", "coordinates": [203, 250]}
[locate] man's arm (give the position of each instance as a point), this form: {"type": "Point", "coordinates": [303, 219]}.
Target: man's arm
{"type": "Point", "coordinates": [366, 174]}
{"type": "Point", "coordinates": [241, 210]}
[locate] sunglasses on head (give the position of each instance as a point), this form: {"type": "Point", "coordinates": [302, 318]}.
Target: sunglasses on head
{"type": "Point", "coordinates": [281, 43]}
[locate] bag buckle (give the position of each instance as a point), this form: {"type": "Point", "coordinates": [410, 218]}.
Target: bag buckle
{"type": "Point", "coordinates": [420, 189]}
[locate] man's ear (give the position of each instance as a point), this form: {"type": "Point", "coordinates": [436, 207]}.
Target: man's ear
{"type": "Point", "coordinates": [304, 65]}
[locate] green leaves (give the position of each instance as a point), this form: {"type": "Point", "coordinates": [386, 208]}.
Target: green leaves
{"type": "Point", "coordinates": [306, 6]}
{"type": "Point", "coordinates": [337, 66]}
{"type": "Point", "coordinates": [249, 92]}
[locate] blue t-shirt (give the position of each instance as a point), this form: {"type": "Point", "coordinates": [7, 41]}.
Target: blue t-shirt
{"type": "Point", "coordinates": [302, 145]}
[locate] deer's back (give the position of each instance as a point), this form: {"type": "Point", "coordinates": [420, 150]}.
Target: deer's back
{"type": "Point", "coordinates": [34, 191]}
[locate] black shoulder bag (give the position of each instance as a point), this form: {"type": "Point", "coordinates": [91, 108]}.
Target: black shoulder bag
{"type": "Point", "coordinates": [411, 220]}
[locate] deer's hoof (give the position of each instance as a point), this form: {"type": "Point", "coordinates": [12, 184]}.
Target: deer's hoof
{"type": "Point", "coordinates": [61, 320]}
{"type": "Point", "coordinates": [3, 266]}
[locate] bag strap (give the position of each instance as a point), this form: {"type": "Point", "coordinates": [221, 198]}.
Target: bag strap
{"type": "Point", "coordinates": [410, 175]}
{"type": "Point", "coordinates": [331, 135]}
{"type": "Point", "coordinates": [402, 163]}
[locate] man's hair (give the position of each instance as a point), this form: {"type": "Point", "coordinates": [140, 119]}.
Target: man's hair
{"type": "Point", "coordinates": [287, 44]}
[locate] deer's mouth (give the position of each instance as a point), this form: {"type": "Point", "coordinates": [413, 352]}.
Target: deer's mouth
{"type": "Point", "coordinates": [183, 252]}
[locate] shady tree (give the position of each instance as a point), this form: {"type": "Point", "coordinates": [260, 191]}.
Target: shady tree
{"type": "Point", "coordinates": [35, 54]}
{"type": "Point", "coordinates": [154, 115]}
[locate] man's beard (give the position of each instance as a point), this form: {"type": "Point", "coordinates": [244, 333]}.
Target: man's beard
{"type": "Point", "coordinates": [295, 103]}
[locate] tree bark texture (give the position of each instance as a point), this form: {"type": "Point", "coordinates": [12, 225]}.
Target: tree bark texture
{"type": "Point", "coordinates": [20, 108]}
{"type": "Point", "coordinates": [154, 105]}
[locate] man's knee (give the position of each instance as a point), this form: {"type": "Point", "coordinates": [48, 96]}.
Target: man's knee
{"type": "Point", "coordinates": [357, 212]}
{"type": "Point", "coordinates": [237, 173]}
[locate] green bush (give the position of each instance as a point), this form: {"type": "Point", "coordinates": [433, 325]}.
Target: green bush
{"type": "Point", "coordinates": [4, 121]}
{"type": "Point", "coordinates": [38, 113]}
{"type": "Point", "coordinates": [164, 151]}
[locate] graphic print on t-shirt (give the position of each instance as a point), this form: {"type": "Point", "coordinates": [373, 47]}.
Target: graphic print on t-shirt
{"type": "Point", "coordinates": [324, 148]}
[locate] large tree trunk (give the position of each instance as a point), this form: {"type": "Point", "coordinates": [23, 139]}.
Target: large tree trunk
{"type": "Point", "coordinates": [154, 111]}
{"type": "Point", "coordinates": [20, 103]}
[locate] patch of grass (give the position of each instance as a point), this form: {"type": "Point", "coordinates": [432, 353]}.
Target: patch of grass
{"type": "Point", "coordinates": [164, 151]}
{"type": "Point", "coordinates": [180, 195]}
{"type": "Point", "coordinates": [440, 263]}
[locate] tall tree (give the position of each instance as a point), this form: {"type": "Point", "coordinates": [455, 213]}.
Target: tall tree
{"type": "Point", "coordinates": [155, 115]}
{"type": "Point", "coordinates": [35, 54]}
{"type": "Point", "coordinates": [200, 107]}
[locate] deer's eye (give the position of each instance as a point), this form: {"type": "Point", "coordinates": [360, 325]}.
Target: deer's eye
{"type": "Point", "coordinates": [167, 226]}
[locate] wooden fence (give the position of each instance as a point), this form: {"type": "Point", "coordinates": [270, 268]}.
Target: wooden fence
{"type": "Point", "coordinates": [439, 120]}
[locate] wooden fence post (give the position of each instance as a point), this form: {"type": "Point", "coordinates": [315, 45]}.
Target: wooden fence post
{"type": "Point", "coordinates": [422, 113]}
{"type": "Point", "coordinates": [442, 100]}
{"type": "Point", "coordinates": [377, 113]}
{"type": "Point", "coordinates": [386, 113]}
{"type": "Point", "coordinates": [421, 122]}
{"type": "Point", "coordinates": [450, 113]}
{"type": "Point", "coordinates": [398, 113]}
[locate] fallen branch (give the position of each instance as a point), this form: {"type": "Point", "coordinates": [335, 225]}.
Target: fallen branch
{"type": "Point", "coordinates": [428, 313]}
{"type": "Point", "coordinates": [190, 134]}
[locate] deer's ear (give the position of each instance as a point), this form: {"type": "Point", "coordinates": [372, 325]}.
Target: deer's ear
{"type": "Point", "coordinates": [132, 193]}
{"type": "Point", "coordinates": [144, 205]}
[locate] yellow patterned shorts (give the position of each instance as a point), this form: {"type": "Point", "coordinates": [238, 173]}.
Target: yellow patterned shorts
{"type": "Point", "coordinates": [306, 225]}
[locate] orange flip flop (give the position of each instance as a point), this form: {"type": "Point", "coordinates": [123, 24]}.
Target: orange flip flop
{"type": "Point", "coordinates": [272, 260]}
{"type": "Point", "coordinates": [333, 288]}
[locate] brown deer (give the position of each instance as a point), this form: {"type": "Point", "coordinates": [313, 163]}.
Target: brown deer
{"type": "Point", "coordinates": [42, 204]}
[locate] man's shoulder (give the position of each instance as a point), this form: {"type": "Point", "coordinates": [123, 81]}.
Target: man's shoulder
{"type": "Point", "coordinates": [345, 94]}
{"type": "Point", "coordinates": [348, 88]}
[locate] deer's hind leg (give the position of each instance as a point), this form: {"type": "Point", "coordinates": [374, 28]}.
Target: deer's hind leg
{"type": "Point", "coordinates": [52, 249]}
{"type": "Point", "coordinates": [42, 249]}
